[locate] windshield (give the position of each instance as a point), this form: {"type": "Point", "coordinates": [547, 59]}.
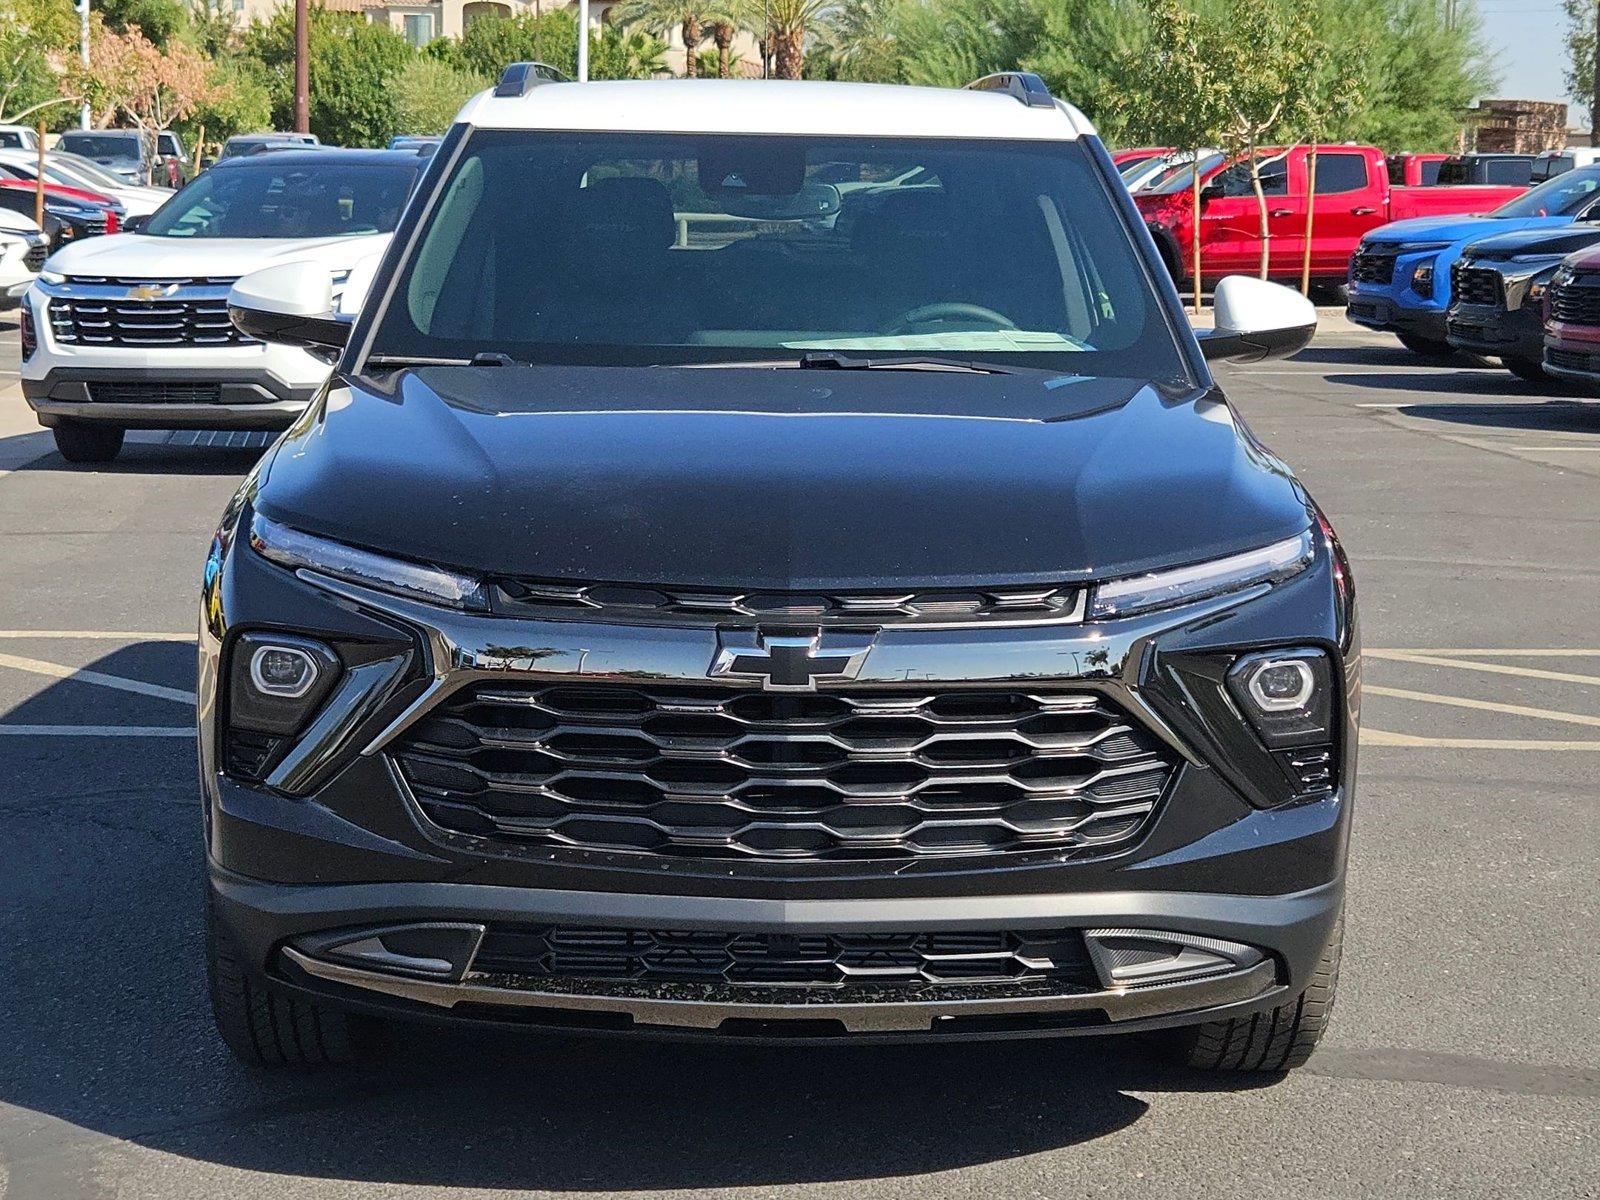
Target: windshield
{"type": "Point", "coordinates": [102, 146]}
{"type": "Point", "coordinates": [263, 198]}
{"type": "Point", "coordinates": [1565, 195]}
{"type": "Point", "coordinates": [635, 249]}
{"type": "Point", "coordinates": [1179, 177]}
{"type": "Point", "coordinates": [83, 168]}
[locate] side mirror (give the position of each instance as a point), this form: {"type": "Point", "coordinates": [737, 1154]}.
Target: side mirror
{"type": "Point", "coordinates": [1211, 191]}
{"type": "Point", "coordinates": [291, 305]}
{"type": "Point", "coordinates": [356, 288]}
{"type": "Point", "coordinates": [135, 223]}
{"type": "Point", "coordinates": [1256, 320]}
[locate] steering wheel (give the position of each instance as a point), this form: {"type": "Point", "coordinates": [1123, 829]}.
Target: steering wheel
{"type": "Point", "coordinates": [950, 310]}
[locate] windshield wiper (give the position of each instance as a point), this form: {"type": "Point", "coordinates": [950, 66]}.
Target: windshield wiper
{"type": "Point", "coordinates": [408, 360]}
{"type": "Point", "coordinates": [840, 362]}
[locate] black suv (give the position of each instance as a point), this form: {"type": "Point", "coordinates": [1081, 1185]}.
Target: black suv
{"type": "Point", "coordinates": [803, 584]}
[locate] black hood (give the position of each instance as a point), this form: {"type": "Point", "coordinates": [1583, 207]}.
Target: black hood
{"type": "Point", "coordinates": [1557, 239]}
{"type": "Point", "coordinates": [778, 478]}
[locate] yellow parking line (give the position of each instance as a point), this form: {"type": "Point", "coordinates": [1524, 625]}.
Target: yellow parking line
{"type": "Point", "coordinates": [1464, 664]}
{"type": "Point", "coordinates": [119, 683]}
{"type": "Point", "coordinates": [1382, 737]}
{"type": "Point", "coordinates": [1514, 710]}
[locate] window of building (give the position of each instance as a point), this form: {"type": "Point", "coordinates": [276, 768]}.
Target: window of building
{"type": "Point", "coordinates": [419, 28]}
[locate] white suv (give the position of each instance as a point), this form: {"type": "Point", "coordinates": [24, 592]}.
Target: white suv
{"type": "Point", "coordinates": [132, 332]}
{"type": "Point", "coordinates": [22, 251]}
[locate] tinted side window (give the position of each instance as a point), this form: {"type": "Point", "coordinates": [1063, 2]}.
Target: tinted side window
{"type": "Point", "coordinates": [1508, 170]}
{"type": "Point", "coordinates": [1235, 180]}
{"type": "Point", "coordinates": [1430, 172]}
{"type": "Point", "coordinates": [1340, 173]}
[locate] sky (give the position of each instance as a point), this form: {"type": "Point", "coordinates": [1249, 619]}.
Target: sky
{"type": "Point", "coordinates": [1531, 58]}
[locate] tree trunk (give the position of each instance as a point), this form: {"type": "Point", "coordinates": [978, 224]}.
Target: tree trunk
{"type": "Point", "coordinates": [691, 39]}
{"type": "Point", "coordinates": [1594, 98]}
{"type": "Point", "coordinates": [1261, 209]}
{"type": "Point", "coordinates": [722, 33]}
{"type": "Point", "coordinates": [1195, 232]}
{"type": "Point", "coordinates": [1311, 213]}
{"type": "Point", "coordinates": [790, 52]}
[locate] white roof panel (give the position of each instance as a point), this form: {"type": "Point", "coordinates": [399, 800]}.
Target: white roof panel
{"type": "Point", "coordinates": [774, 106]}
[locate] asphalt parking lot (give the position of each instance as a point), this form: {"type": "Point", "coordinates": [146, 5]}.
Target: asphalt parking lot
{"type": "Point", "coordinates": [1464, 1058]}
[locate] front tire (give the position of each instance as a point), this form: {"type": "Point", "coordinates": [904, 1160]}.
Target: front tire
{"type": "Point", "coordinates": [268, 1030]}
{"type": "Point", "coordinates": [1274, 1041]}
{"type": "Point", "coordinates": [80, 443]}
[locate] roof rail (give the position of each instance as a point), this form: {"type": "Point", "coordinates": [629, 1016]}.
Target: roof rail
{"type": "Point", "coordinates": [1022, 85]}
{"type": "Point", "coordinates": [520, 78]}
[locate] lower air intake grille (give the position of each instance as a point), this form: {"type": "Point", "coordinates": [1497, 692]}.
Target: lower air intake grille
{"type": "Point", "coordinates": [155, 393]}
{"type": "Point", "coordinates": [822, 960]}
{"type": "Point", "coordinates": [695, 772]}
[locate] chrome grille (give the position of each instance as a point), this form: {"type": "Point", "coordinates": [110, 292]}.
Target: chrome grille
{"type": "Point", "coordinates": [839, 961]}
{"type": "Point", "coordinates": [695, 772]}
{"type": "Point", "coordinates": [34, 258]}
{"type": "Point", "coordinates": [1042, 602]}
{"type": "Point", "coordinates": [109, 314]}
{"type": "Point", "coordinates": [1375, 265]}
{"type": "Point", "coordinates": [1476, 285]}
{"type": "Point", "coordinates": [1576, 298]}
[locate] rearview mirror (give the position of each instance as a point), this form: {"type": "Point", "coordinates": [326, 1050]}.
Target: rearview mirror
{"type": "Point", "coordinates": [1256, 320]}
{"type": "Point", "coordinates": [291, 305]}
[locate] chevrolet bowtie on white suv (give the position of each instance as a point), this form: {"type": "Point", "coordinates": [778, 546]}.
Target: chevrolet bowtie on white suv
{"type": "Point", "coordinates": [131, 331]}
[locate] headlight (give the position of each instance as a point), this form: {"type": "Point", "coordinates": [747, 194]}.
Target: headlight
{"type": "Point", "coordinates": [1163, 589]}
{"type": "Point", "coordinates": [49, 276]}
{"type": "Point", "coordinates": [1538, 285]}
{"type": "Point", "coordinates": [1420, 247]}
{"type": "Point", "coordinates": [299, 551]}
{"type": "Point", "coordinates": [1422, 278]}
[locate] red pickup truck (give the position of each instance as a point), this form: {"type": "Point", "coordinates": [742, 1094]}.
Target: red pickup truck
{"type": "Point", "coordinates": [1354, 195]}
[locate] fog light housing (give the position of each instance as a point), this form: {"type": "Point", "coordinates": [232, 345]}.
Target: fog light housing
{"type": "Point", "coordinates": [285, 671]}
{"type": "Point", "coordinates": [1422, 280]}
{"type": "Point", "coordinates": [278, 682]}
{"type": "Point", "coordinates": [1285, 695]}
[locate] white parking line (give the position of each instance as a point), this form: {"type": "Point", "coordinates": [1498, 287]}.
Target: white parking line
{"type": "Point", "coordinates": [94, 635]}
{"type": "Point", "coordinates": [1382, 737]}
{"type": "Point", "coordinates": [1464, 664]}
{"type": "Point", "coordinates": [1512, 710]}
{"type": "Point", "coordinates": [119, 683]}
{"type": "Point", "coordinates": [131, 731]}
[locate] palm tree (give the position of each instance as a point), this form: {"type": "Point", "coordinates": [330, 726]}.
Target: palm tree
{"type": "Point", "coordinates": [688, 17]}
{"type": "Point", "coordinates": [788, 22]}
{"type": "Point", "coordinates": [723, 31]}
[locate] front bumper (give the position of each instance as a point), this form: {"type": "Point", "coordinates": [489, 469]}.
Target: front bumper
{"type": "Point", "coordinates": [1491, 329]}
{"type": "Point", "coordinates": [248, 399]}
{"type": "Point", "coordinates": [335, 841]}
{"type": "Point", "coordinates": [1384, 313]}
{"type": "Point", "coordinates": [1573, 352]}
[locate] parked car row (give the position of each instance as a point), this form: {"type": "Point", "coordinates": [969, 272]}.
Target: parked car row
{"type": "Point", "coordinates": [132, 331]}
{"type": "Point", "coordinates": [1353, 194]}
{"type": "Point", "coordinates": [1482, 285]}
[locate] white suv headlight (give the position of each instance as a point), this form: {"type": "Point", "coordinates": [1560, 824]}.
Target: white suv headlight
{"type": "Point", "coordinates": [301, 551]}
{"type": "Point", "coordinates": [1182, 585]}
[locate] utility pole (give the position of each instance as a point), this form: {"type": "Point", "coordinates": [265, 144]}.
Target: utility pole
{"type": "Point", "coordinates": [83, 56]}
{"type": "Point", "coordinates": [583, 41]}
{"type": "Point", "coordinates": [302, 67]}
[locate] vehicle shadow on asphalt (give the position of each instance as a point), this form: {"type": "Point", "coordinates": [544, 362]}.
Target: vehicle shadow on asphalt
{"type": "Point", "coordinates": [159, 458]}
{"type": "Point", "coordinates": [102, 995]}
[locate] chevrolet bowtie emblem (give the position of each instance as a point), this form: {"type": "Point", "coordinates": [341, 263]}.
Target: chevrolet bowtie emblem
{"type": "Point", "coordinates": [789, 662]}
{"type": "Point", "coordinates": [151, 291]}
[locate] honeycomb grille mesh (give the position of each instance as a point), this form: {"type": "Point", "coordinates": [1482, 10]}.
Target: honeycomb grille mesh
{"type": "Point", "coordinates": [534, 954]}
{"type": "Point", "coordinates": [851, 774]}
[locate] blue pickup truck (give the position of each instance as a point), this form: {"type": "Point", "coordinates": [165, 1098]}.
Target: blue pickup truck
{"type": "Point", "coordinates": [1400, 274]}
